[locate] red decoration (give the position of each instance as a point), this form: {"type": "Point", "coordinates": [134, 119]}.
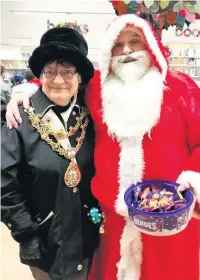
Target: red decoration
{"type": "Point", "coordinates": [182, 13]}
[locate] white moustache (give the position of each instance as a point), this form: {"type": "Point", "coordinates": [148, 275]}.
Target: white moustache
{"type": "Point", "coordinates": [131, 67]}
{"type": "Point", "coordinates": [130, 57]}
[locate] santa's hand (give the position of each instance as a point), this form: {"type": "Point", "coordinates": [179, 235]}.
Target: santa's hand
{"type": "Point", "coordinates": [190, 179]}
{"type": "Point", "coordinates": [13, 117]}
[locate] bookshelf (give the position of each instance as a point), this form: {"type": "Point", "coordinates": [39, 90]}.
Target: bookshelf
{"type": "Point", "coordinates": [185, 57]}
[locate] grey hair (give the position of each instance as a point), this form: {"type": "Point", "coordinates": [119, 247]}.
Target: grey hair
{"type": "Point", "coordinates": [61, 61]}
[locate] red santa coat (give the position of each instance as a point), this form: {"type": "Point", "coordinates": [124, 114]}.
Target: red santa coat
{"type": "Point", "coordinates": [172, 149]}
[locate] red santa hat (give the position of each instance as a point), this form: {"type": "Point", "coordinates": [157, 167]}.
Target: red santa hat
{"type": "Point", "coordinates": [155, 46]}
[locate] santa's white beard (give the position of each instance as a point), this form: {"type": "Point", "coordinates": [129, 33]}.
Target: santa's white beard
{"type": "Point", "coordinates": [132, 109]}
{"type": "Point", "coordinates": [131, 71]}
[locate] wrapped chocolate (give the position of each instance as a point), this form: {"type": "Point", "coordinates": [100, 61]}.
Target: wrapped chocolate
{"type": "Point", "coordinates": [156, 199]}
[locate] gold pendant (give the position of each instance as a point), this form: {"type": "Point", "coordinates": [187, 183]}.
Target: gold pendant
{"type": "Point", "coordinates": [60, 134]}
{"type": "Point", "coordinates": [72, 175]}
{"type": "Point", "coordinates": [102, 230]}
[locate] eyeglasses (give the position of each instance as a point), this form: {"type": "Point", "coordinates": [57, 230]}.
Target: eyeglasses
{"type": "Point", "coordinates": [65, 74]}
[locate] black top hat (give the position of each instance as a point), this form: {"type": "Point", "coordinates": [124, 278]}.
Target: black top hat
{"type": "Point", "coordinates": [62, 43]}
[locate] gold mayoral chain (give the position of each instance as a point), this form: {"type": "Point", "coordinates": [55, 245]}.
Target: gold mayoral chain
{"type": "Point", "coordinates": [72, 175]}
{"type": "Point", "coordinates": [62, 134]}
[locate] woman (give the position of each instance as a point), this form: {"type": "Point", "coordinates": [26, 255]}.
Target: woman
{"type": "Point", "coordinates": [47, 164]}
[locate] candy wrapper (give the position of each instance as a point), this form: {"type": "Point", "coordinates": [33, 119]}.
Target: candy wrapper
{"type": "Point", "coordinates": [157, 199]}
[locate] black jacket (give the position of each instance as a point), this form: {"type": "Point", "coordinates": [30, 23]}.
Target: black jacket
{"type": "Point", "coordinates": [33, 189]}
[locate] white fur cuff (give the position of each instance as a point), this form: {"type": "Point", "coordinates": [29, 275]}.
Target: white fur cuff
{"type": "Point", "coordinates": [193, 178]}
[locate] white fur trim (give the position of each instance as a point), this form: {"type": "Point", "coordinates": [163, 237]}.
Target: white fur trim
{"type": "Point", "coordinates": [111, 35]}
{"type": "Point", "coordinates": [131, 167]}
{"type": "Point", "coordinates": [20, 90]}
{"type": "Point", "coordinates": [129, 266]}
{"type": "Point", "coordinates": [193, 178]}
{"type": "Point", "coordinates": [130, 172]}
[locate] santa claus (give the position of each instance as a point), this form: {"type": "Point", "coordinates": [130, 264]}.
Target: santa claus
{"type": "Point", "coordinates": [147, 121]}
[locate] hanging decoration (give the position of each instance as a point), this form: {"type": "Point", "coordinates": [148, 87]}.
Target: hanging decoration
{"type": "Point", "coordinates": [81, 28]}
{"type": "Point", "coordinates": [165, 12]}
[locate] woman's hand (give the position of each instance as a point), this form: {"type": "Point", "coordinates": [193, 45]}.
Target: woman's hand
{"type": "Point", "coordinates": [32, 252]}
{"type": "Point", "coordinates": [13, 117]}
{"type": "Point", "coordinates": [31, 249]}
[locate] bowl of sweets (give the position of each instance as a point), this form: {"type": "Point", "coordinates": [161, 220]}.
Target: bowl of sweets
{"type": "Point", "coordinates": [157, 208]}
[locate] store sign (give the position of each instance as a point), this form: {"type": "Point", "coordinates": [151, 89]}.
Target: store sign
{"type": "Point", "coordinates": [187, 32]}
{"type": "Point", "coordinates": [81, 28]}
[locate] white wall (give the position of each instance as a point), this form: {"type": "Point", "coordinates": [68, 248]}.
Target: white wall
{"type": "Point", "coordinates": [25, 29]}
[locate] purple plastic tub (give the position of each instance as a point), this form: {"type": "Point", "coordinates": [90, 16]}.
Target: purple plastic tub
{"type": "Point", "coordinates": [155, 223]}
